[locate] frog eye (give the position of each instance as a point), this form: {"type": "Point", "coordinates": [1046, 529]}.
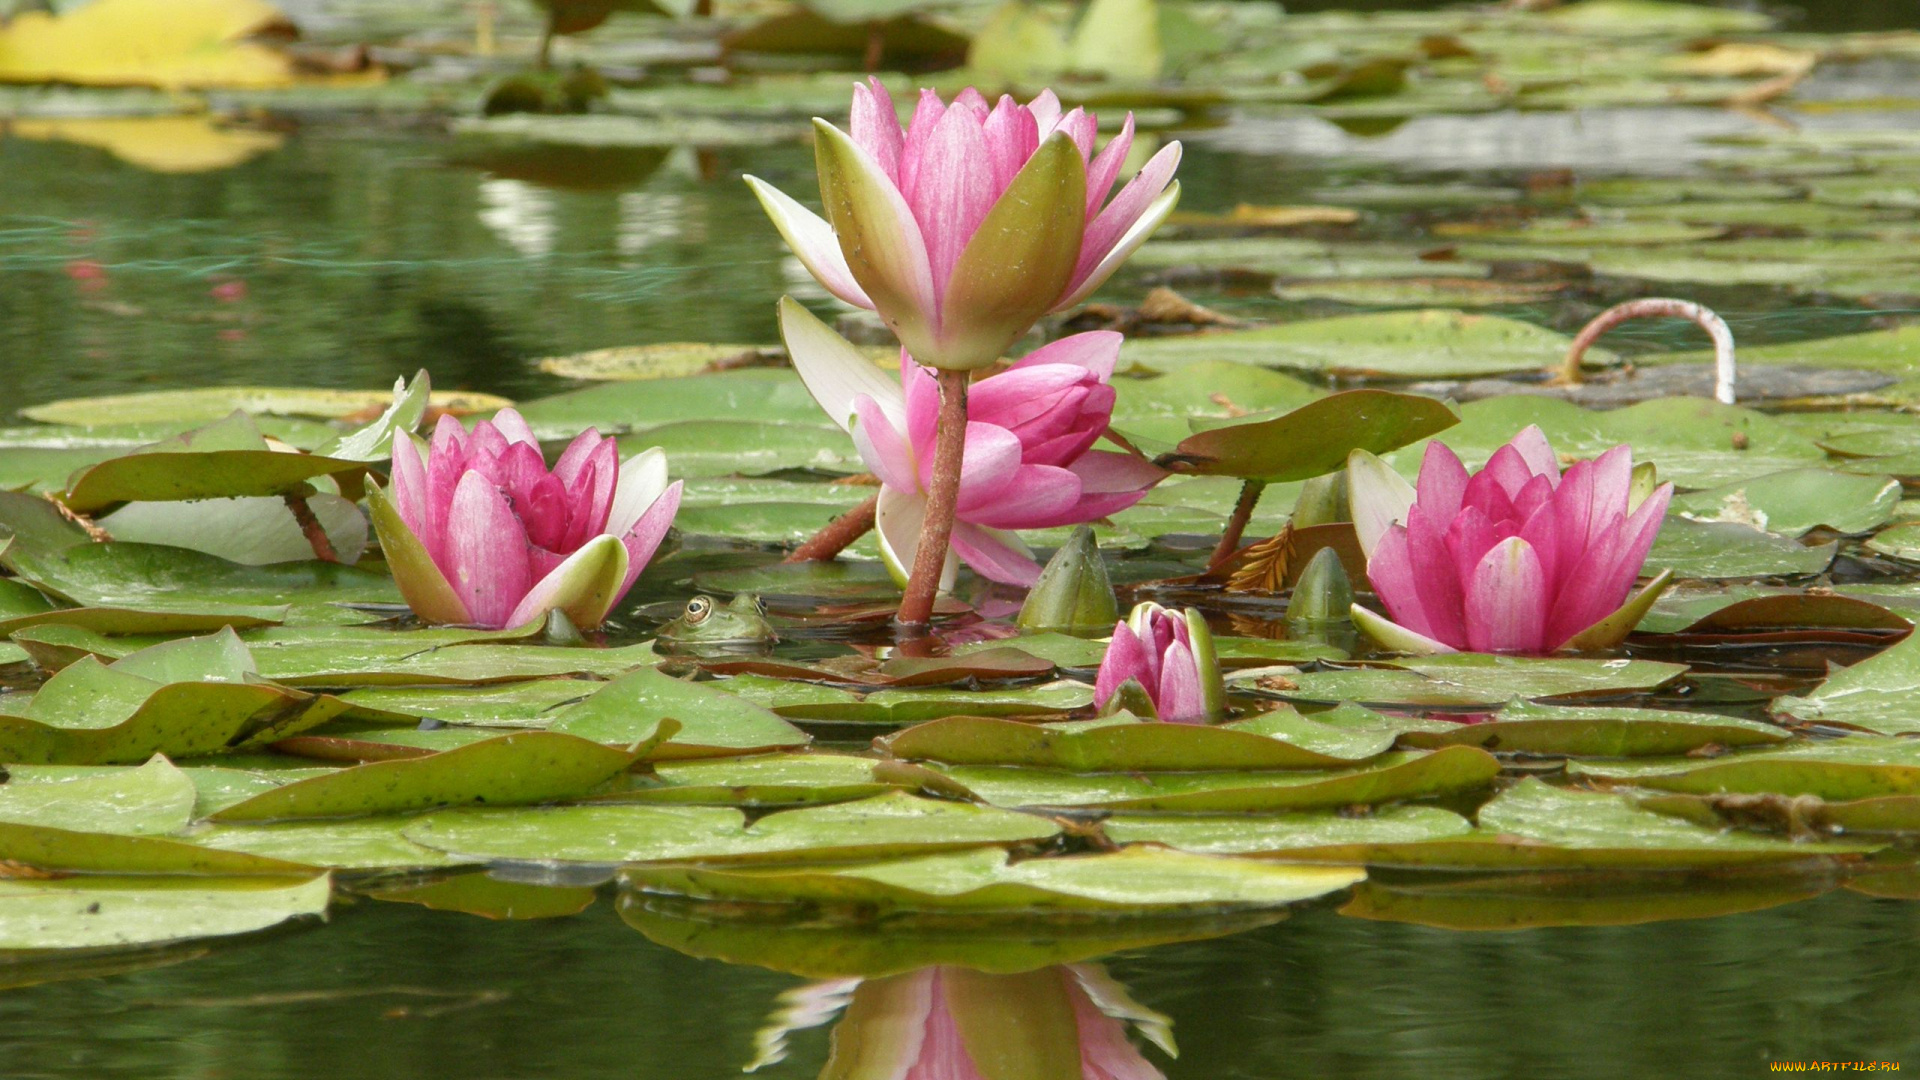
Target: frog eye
{"type": "Point", "coordinates": [698, 609]}
{"type": "Point", "coordinates": [760, 605]}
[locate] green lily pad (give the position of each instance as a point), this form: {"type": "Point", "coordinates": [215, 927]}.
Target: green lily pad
{"type": "Point", "coordinates": [79, 913]}
{"type": "Point", "coordinates": [149, 800]}
{"type": "Point", "coordinates": [1509, 902]}
{"type": "Point", "coordinates": [226, 459]}
{"type": "Point", "coordinates": [249, 531]}
{"type": "Point", "coordinates": [371, 843]}
{"type": "Point", "coordinates": [1603, 731]}
{"type": "Point", "coordinates": [712, 721]}
{"type": "Point", "coordinates": [761, 780]}
{"type": "Point", "coordinates": [1248, 834]}
{"type": "Point", "coordinates": [1726, 549]}
{"type": "Point", "coordinates": [1280, 739]}
{"type": "Point", "coordinates": [1611, 18]}
{"type": "Point", "coordinates": [1901, 541]}
{"type": "Point", "coordinates": [1857, 767]}
{"type": "Point", "coordinates": [1745, 608]}
{"type": "Point", "coordinates": [766, 394]}
{"type": "Point", "coordinates": [1388, 778]}
{"type": "Point", "coordinates": [1163, 408]}
{"type": "Point", "coordinates": [1312, 440]}
{"type": "Point", "coordinates": [1140, 879]}
{"type": "Point", "coordinates": [1420, 292]}
{"type": "Point", "coordinates": [214, 402]}
{"type": "Point", "coordinates": [1878, 694]}
{"type": "Point", "coordinates": [534, 703]}
{"type": "Point", "coordinates": [660, 360]}
{"type": "Point", "coordinates": [512, 770]}
{"type": "Point", "coordinates": [480, 893]}
{"type": "Point", "coordinates": [871, 828]}
{"type": "Point", "coordinates": [1795, 502]}
{"type": "Point", "coordinates": [63, 850]}
{"type": "Point", "coordinates": [1429, 344]}
{"type": "Point", "coordinates": [1463, 679]}
{"type": "Point", "coordinates": [914, 706]}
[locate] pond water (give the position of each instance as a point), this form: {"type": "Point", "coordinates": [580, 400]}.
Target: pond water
{"type": "Point", "coordinates": [346, 249]}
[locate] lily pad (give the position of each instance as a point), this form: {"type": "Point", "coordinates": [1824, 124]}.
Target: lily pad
{"type": "Point", "coordinates": [1524, 901]}
{"type": "Point", "coordinates": [1280, 739]}
{"type": "Point", "coordinates": [1141, 879]}
{"type": "Point", "coordinates": [214, 402]}
{"type": "Point", "coordinates": [1798, 501]}
{"type": "Point", "coordinates": [1598, 731]}
{"type": "Point", "coordinates": [712, 722]}
{"type": "Point", "coordinates": [149, 800]}
{"type": "Point", "coordinates": [1880, 694]}
{"type": "Point", "coordinates": [66, 851]}
{"type": "Point", "coordinates": [761, 780]}
{"type": "Point", "coordinates": [482, 894]}
{"type": "Point", "coordinates": [870, 828]}
{"type": "Point", "coordinates": [1463, 679]}
{"type": "Point", "coordinates": [226, 459]}
{"type": "Point", "coordinates": [1312, 440]}
{"type": "Point", "coordinates": [1726, 549]}
{"type": "Point", "coordinates": [77, 913]}
{"type": "Point", "coordinates": [1858, 767]}
{"type": "Point", "coordinates": [371, 843]}
{"type": "Point", "coordinates": [1388, 778]}
{"type": "Point", "coordinates": [914, 706]}
{"type": "Point", "coordinates": [518, 769]}
{"type": "Point", "coordinates": [1248, 834]}
{"type": "Point", "coordinates": [534, 703]}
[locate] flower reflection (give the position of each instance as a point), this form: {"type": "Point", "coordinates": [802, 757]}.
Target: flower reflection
{"type": "Point", "coordinates": [955, 1023]}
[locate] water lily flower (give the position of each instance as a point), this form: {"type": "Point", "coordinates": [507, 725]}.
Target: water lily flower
{"type": "Point", "coordinates": [483, 533]}
{"type": "Point", "coordinates": [1029, 460]}
{"type": "Point", "coordinates": [954, 1023]}
{"type": "Point", "coordinates": [1168, 658]}
{"type": "Point", "coordinates": [974, 220]}
{"type": "Point", "coordinates": [1515, 558]}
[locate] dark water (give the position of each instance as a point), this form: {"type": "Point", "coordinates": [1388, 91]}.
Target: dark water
{"type": "Point", "coordinates": [394, 992]}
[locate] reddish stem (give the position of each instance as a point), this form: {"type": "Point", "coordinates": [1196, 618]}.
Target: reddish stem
{"type": "Point", "coordinates": [1237, 524]}
{"type": "Point", "coordinates": [943, 495]}
{"type": "Point", "coordinates": [837, 535]}
{"type": "Point", "coordinates": [1658, 307]}
{"type": "Point", "coordinates": [316, 533]}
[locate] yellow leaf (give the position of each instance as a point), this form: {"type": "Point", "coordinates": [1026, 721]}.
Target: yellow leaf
{"type": "Point", "coordinates": [164, 43]}
{"type": "Point", "coordinates": [168, 144]}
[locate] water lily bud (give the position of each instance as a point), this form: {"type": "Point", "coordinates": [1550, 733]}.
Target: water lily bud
{"type": "Point", "coordinates": [1323, 593]}
{"type": "Point", "coordinates": [1323, 501]}
{"type": "Point", "coordinates": [1074, 594]}
{"type": "Point", "coordinates": [1646, 480]}
{"type": "Point", "coordinates": [1169, 655]}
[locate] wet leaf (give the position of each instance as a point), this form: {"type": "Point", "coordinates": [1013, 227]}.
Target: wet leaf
{"type": "Point", "coordinates": [62, 850]}
{"type": "Point", "coordinates": [250, 531]}
{"type": "Point", "coordinates": [491, 898]}
{"type": "Point", "coordinates": [761, 780]}
{"type": "Point", "coordinates": [1725, 549]}
{"type": "Point", "coordinates": [1479, 679]}
{"type": "Point", "coordinates": [712, 721]}
{"type": "Point", "coordinates": [870, 828]}
{"type": "Point", "coordinates": [518, 769]}
{"type": "Point", "coordinates": [1401, 344]}
{"type": "Point", "coordinates": [1519, 901]}
{"type": "Point", "coordinates": [1140, 879]}
{"type": "Point", "coordinates": [1795, 502]}
{"type": "Point", "coordinates": [1247, 834]}
{"type": "Point", "coordinates": [914, 706]}
{"type": "Point", "coordinates": [1858, 767]}
{"type": "Point", "coordinates": [662, 360]}
{"type": "Point", "coordinates": [1312, 440]}
{"type": "Point", "coordinates": [373, 843]}
{"type": "Point", "coordinates": [1280, 739]}
{"type": "Point", "coordinates": [207, 404]}
{"type": "Point", "coordinates": [775, 396]}
{"type": "Point", "coordinates": [77, 913]}
{"type": "Point", "coordinates": [1388, 778]}
{"type": "Point", "coordinates": [228, 458]}
{"type": "Point", "coordinates": [531, 704]}
{"type": "Point", "coordinates": [149, 800]}
{"type": "Point", "coordinates": [1877, 694]}
{"type": "Point", "coordinates": [1598, 731]}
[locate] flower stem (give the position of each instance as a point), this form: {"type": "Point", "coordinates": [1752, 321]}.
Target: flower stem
{"type": "Point", "coordinates": [1237, 524]}
{"type": "Point", "coordinates": [837, 535]}
{"type": "Point", "coordinates": [943, 495]}
{"type": "Point", "coordinates": [1657, 308]}
{"type": "Point", "coordinates": [316, 533]}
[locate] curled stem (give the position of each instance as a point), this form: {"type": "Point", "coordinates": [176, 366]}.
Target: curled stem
{"type": "Point", "coordinates": [837, 534]}
{"type": "Point", "coordinates": [930, 554]}
{"type": "Point", "coordinates": [315, 532]}
{"type": "Point", "coordinates": [1237, 524]}
{"type": "Point", "coordinates": [1657, 307]}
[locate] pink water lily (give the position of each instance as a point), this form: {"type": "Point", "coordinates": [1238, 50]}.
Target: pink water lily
{"type": "Point", "coordinates": [1169, 655]}
{"type": "Point", "coordinates": [973, 220]}
{"type": "Point", "coordinates": [483, 533]}
{"type": "Point", "coordinates": [1029, 460]}
{"type": "Point", "coordinates": [1516, 558]}
{"type": "Point", "coordinates": [953, 1023]}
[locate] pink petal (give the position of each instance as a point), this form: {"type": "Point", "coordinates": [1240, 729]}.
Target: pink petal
{"type": "Point", "coordinates": [593, 491]}
{"type": "Point", "coordinates": [1104, 231]}
{"type": "Point", "coordinates": [1105, 471]}
{"type": "Point", "coordinates": [1532, 497]}
{"type": "Point", "coordinates": [1506, 601]}
{"type": "Point", "coordinates": [1021, 395]}
{"type": "Point", "coordinates": [1588, 591]}
{"type": "Point", "coordinates": [508, 422]}
{"type": "Point", "coordinates": [943, 1052]}
{"type": "Point", "coordinates": [1439, 584]}
{"type": "Point", "coordinates": [1011, 138]}
{"type": "Point", "coordinates": [1510, 470]}
{"type": "Point", "coordinates": [1105, 1051]}
{"type": "Point", "coordinates": [1441, 486]}
{"type": "Point", "coordinates": [407, 479]}
{"type": "Point", "coordinates": [972, 100]}
{"type": "Point", "coordinates": [1105, 167]}
{"type": "Point", "coordinates": [992, 556]}
{"type": "Point", "coordinates": [875, 125]}
{"type": "Point", "coordinates": [992, 455]}
{"type": "Point", "coordinates": [884, 452]}
{"type": "Point", "coordinates": [1532, 446]}
{"type": "Point", "coordinates": [1470, 536]}
{"type": "Point", "coordinates": [575, 456]}
{"type": "Point", "coordinates": [1542, 532]}
{"type": "Point", "coordinates": [487, 562]}
{"type": "Point", "coordinates": [1046, 112]}
{"type": "Point", "coordinates": [1082, 128]}
{"type": "Point", "coordinates": [927, 113]}
{"type": "Point", "coordinates": [1126, 658]}
{"type": "Point", "coordinates": [813, 242]}
{"type": "Point", "coordinates": [955, 191]}
{"type": "Point", "coordinates": [1033, 497]}
{"type": "Point", "coordinates": [1096, 350]}
{"type": "Point", "coordinates": [922, 395]}
{"type": "Point", "coordinates": [1180, 700]}
{"type": "Point", "coordinates": [1390, 571]}
{"type": "Point", "coordinates": [644, 538]}
{"type": "Point", "coordinates": [446, 464]}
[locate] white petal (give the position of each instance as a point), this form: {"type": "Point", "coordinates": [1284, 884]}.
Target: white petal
{"type": "Point", "coordinates": [1378, 496]}
{"type": "Point", "coordinates": [642, 478]}
{"type": "Point", "coordinates": [812, 241]}
{"type": "Point", "coordinates": [835, 372]}
{"type": "Point", "coordinates": [898, 519]}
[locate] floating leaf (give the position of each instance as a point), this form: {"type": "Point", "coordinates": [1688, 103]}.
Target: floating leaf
{"type": "Point", "coordinates": [1795, 502]}
{"type": "Point", "coordinates": [761, 780]}
{"type": "Point", "coordinates": [1877, 694]}
{"type": "Point", "coordinates": [373, 843]}
{"type": "Point", "coordinates": [489, 897]}
{"type": "Point", "coordinates": [1426, 344]}
{"type": "Point", "coordinates": [1280, 739]}
{"type": "Point", "coordinates": [212, 403]}
{"type": "Point", "coordinates": [914, 706]}
{"type": "Point", "coordinates": [532, 704]}
{"type": "Point", "coordinates": [1598, 731]}
{"type": "Point", "coordinates": [1312, 440]}
{"type": "Point", "coordinates": [151, 800]}
{"type": "Point", "coordinates": [512, 770]}
{"type": "Point", "coordinates": [1245, 834]}
{"type": "Point", "coordinates": [1520, 901]}
{"type": "Point", "coordinates": [1140, 879]}
{"type": "Point", "coordinates": [1387, 778]}
{"type": "Point", "coordinates": [1853, 768]}
{"type": "Point", "coordinates": [250, 531]}
{"type": "Point", "coordinates": [1463, 679]}
{"type": "Point", "coordinates": [63, 850]}
{"type": "Point", "coordinates": [80, 913]}
{"type": "Point", "coordinates": [1725, 549]}
{"type": "Point", "coordinates": [172, 44]}
{"type": "Point", "coordinates": [225, 459]}
{"type": "Point", "coordinates": [712, 721]}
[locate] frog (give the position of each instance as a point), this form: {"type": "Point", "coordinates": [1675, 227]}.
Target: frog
{"type": "Point", "coordinates": [739, 625]}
